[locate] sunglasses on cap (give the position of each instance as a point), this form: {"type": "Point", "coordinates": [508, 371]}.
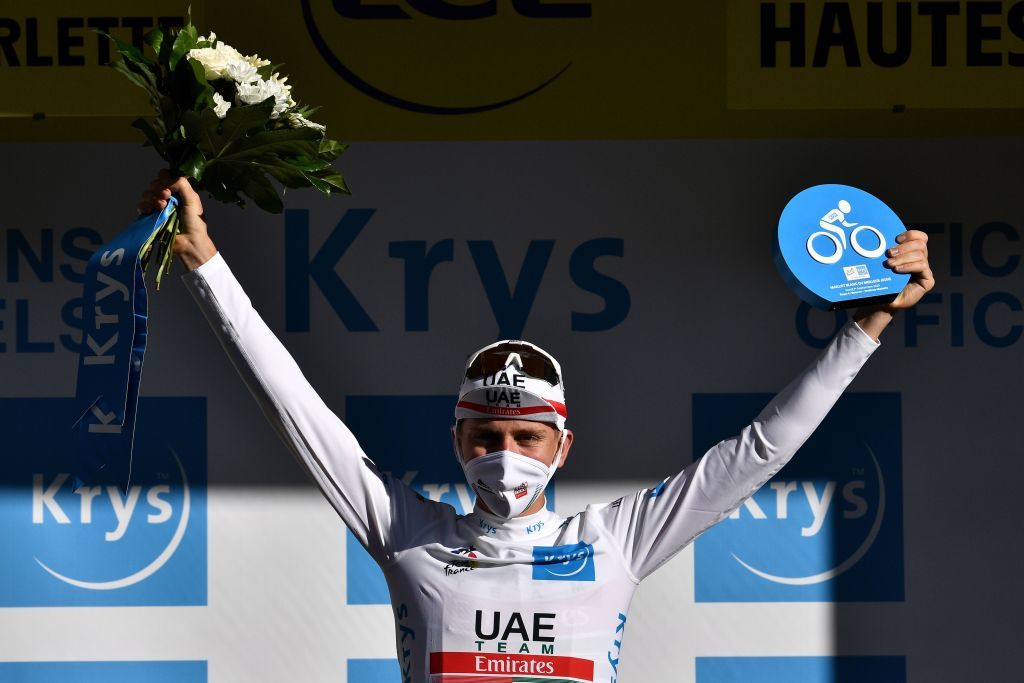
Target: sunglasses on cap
{"type": "Point", "coordinates": [532, 362]}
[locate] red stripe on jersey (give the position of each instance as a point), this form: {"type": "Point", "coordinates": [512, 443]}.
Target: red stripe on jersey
{"type": "Point", "coordinates": [506, 667]}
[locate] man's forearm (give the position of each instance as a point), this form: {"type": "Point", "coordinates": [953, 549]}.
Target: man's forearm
{"type": "Point", "coordinates": [872, 320]}
{"type": "Point", "coordinates": [194, 251]}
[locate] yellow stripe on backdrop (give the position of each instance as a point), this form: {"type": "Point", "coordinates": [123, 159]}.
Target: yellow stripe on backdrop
{"type": "Point", "coordinates": [555, 69]}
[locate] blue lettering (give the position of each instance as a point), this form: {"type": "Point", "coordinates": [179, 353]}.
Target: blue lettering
{"type": "Point", "coordinates": [615, 295]}
{"type": "Point", "coordinates": [511, 309]}
{"type": "Point", "coordinates": [69, 317]}
{"type": "Point", "coordinates": [299, 269]}
{"type": "Point", "coordinates": [419, 264]}
{"type": "Point", "coordinates": [41, 263]}
{"type": "Point", "coordinates": [68, 246]}
{"type": "Point", "coordinates": [617, 643]}
{"type": "Point", "coordinates": [978, 244]}
{"type": "Point", "coordinates": [913, 317]}
{"type": "Point", "coordinates": [21, 342]}
{"type": "Point", "coordinates": [981, 323]}
{"type": "Point", "coordinates": [803, 327]}
{"type": "Point", "coordinates": [956, 328]}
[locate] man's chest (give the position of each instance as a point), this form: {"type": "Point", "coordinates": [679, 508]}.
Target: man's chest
{"type": "Point", "coordinates": [543, 610]}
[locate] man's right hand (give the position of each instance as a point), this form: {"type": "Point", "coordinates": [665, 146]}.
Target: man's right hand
{"type": "Point", "coordinates": [192, 244]}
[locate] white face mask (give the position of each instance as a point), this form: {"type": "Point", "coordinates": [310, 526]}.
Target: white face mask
{"type": "Point", "coordinates": [509, 483]}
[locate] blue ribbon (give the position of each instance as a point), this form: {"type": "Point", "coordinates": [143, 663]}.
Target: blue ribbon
{"type": "Point", "coordinates": [114, 315]}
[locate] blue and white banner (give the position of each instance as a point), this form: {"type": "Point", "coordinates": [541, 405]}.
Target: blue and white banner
{"type": "Point", "coordinates": [114, 330]}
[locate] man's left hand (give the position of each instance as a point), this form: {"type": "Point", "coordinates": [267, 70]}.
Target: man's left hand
{"type": "Point", "coordinates": [909, 256]}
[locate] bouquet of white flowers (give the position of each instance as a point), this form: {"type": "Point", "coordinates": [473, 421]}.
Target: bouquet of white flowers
{"type": "Point", "coordinates": [228, 122]}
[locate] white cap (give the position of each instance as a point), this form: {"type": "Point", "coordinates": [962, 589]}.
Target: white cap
{"type": "Point", "coordinates": [513, 380]}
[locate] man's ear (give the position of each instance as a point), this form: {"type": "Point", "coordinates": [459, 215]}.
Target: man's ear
{"type": "Point", "coordinates": [565, 447]}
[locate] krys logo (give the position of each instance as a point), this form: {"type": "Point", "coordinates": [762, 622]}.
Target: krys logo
{"type": "Point", "coordinates": [51, 498]}
{"type": "Point", "coordinates": [443, 57]}
{"type": "Point", "coordinates": [95, 545]}
{"type": "Point", "coordinates": [827, 527]}
{"type": "Point", "coordinates": [563, 562]}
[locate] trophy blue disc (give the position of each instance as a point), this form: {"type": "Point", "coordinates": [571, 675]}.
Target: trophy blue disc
{"type": "Point", "coordinates": [831, 244]}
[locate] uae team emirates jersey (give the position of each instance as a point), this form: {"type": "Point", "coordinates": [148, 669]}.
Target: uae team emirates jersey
{"type": "Point", "coordinates": [540, 598]}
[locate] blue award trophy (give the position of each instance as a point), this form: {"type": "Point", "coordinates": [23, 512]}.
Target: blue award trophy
{"type": "Point", "coordinates": [831, 244]}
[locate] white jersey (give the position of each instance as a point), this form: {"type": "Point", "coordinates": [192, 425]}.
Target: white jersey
{"type": "Point", "coordinates": [542, 597]}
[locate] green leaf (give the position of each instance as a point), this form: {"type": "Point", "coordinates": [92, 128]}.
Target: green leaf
{"type": "Point", "coordinates": [201, 128]}
{"type": "Point", "coordinates": [267, 71]}
{"type": "Point", "coordinates": [135, 77]}
{"type": "Point", "coordinates": [242, 119]}
{"type": "Point", "coordinates": [127, 50]}
{"type": "Point", "coordinates": [193, 165]}
{"type": "Point", "coordinates": [259, 188]}
{"type": "Point", "coordinates": [183, 42]}
{"type": "Point", "coordinates": [163, 54]}
{"type": "Point", "coordinates": [329, 182]}
{"type": "Point", "coordinates": [154, 38]}
{"type": "Point", "coordinates": [170, 116]}
{"type": "Point", "coordinates": [331, 149]}
{"type": "Point", "coordinates": [283, 171]}
{"type": "Point", "coordinates": [308, 164]}
{"type": "Point", "coordinates": [297, 142]}
{"type": "Point", "coordinates": [214, 136]}
{"type": "Point", "coordinates": [188, 88]}
{"type": "Point", "coordinates": [220, 182]}
{"type": "Point", "coordinates": [202, 90]}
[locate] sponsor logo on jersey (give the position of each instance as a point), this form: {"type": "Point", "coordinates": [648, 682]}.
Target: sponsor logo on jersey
{"type": "Point", "coordinates": [95, 545]}
{"type": "Point", "coordinates": [827, 527]}
{"type": "Point", "coordinates": [613, 661]}
{"type": "Point", "coordinates": [460, 566]}
{"type": "Point", "coordinates": [800, 669]}
{"type": "Point", "coordinates": [184, 671]}
{"type": "Point", "coordinates": [564, 562]}
{"type": "Point", "coordinates": [511, 668]}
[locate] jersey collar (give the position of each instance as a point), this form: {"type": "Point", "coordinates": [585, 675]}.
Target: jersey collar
{"type": "Point", "coordinates": [536, 525]}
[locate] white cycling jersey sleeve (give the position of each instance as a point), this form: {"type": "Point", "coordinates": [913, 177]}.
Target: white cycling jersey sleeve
{"type": "Point", "coordinates": [654, 524]}
{"type": "Point", "coordinates": [314, 434]}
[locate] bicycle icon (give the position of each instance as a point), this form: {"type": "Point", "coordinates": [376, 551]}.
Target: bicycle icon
{"type": "Point", "coordinates": [837, 235]}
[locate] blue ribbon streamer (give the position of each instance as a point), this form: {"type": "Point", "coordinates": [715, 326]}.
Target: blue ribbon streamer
{"type": "Point", "coordinates": [114, 331]}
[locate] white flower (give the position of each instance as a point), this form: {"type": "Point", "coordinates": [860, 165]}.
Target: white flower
{"type": "Point", "coordinates": [217, 61]}
{"type": "Point", "coordinates": [299, 121]}
{"type": "Point", "coordinates": [221, 105]}
{"type": "Point", "coordinates": [256, 61]}
{"type": "Point", "coordinates": [241, 71]}
{"type": "Point", "coordinates": [254, 93]}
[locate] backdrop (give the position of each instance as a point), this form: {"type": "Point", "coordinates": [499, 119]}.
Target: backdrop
{"type": "Point", "coordinates": [631, 240]}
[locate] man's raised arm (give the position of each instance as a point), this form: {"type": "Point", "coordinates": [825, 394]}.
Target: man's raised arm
{"type": "Point", "coordinates": [654, 524]}
{"type": "Point", "coordinates": [314, 434]}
